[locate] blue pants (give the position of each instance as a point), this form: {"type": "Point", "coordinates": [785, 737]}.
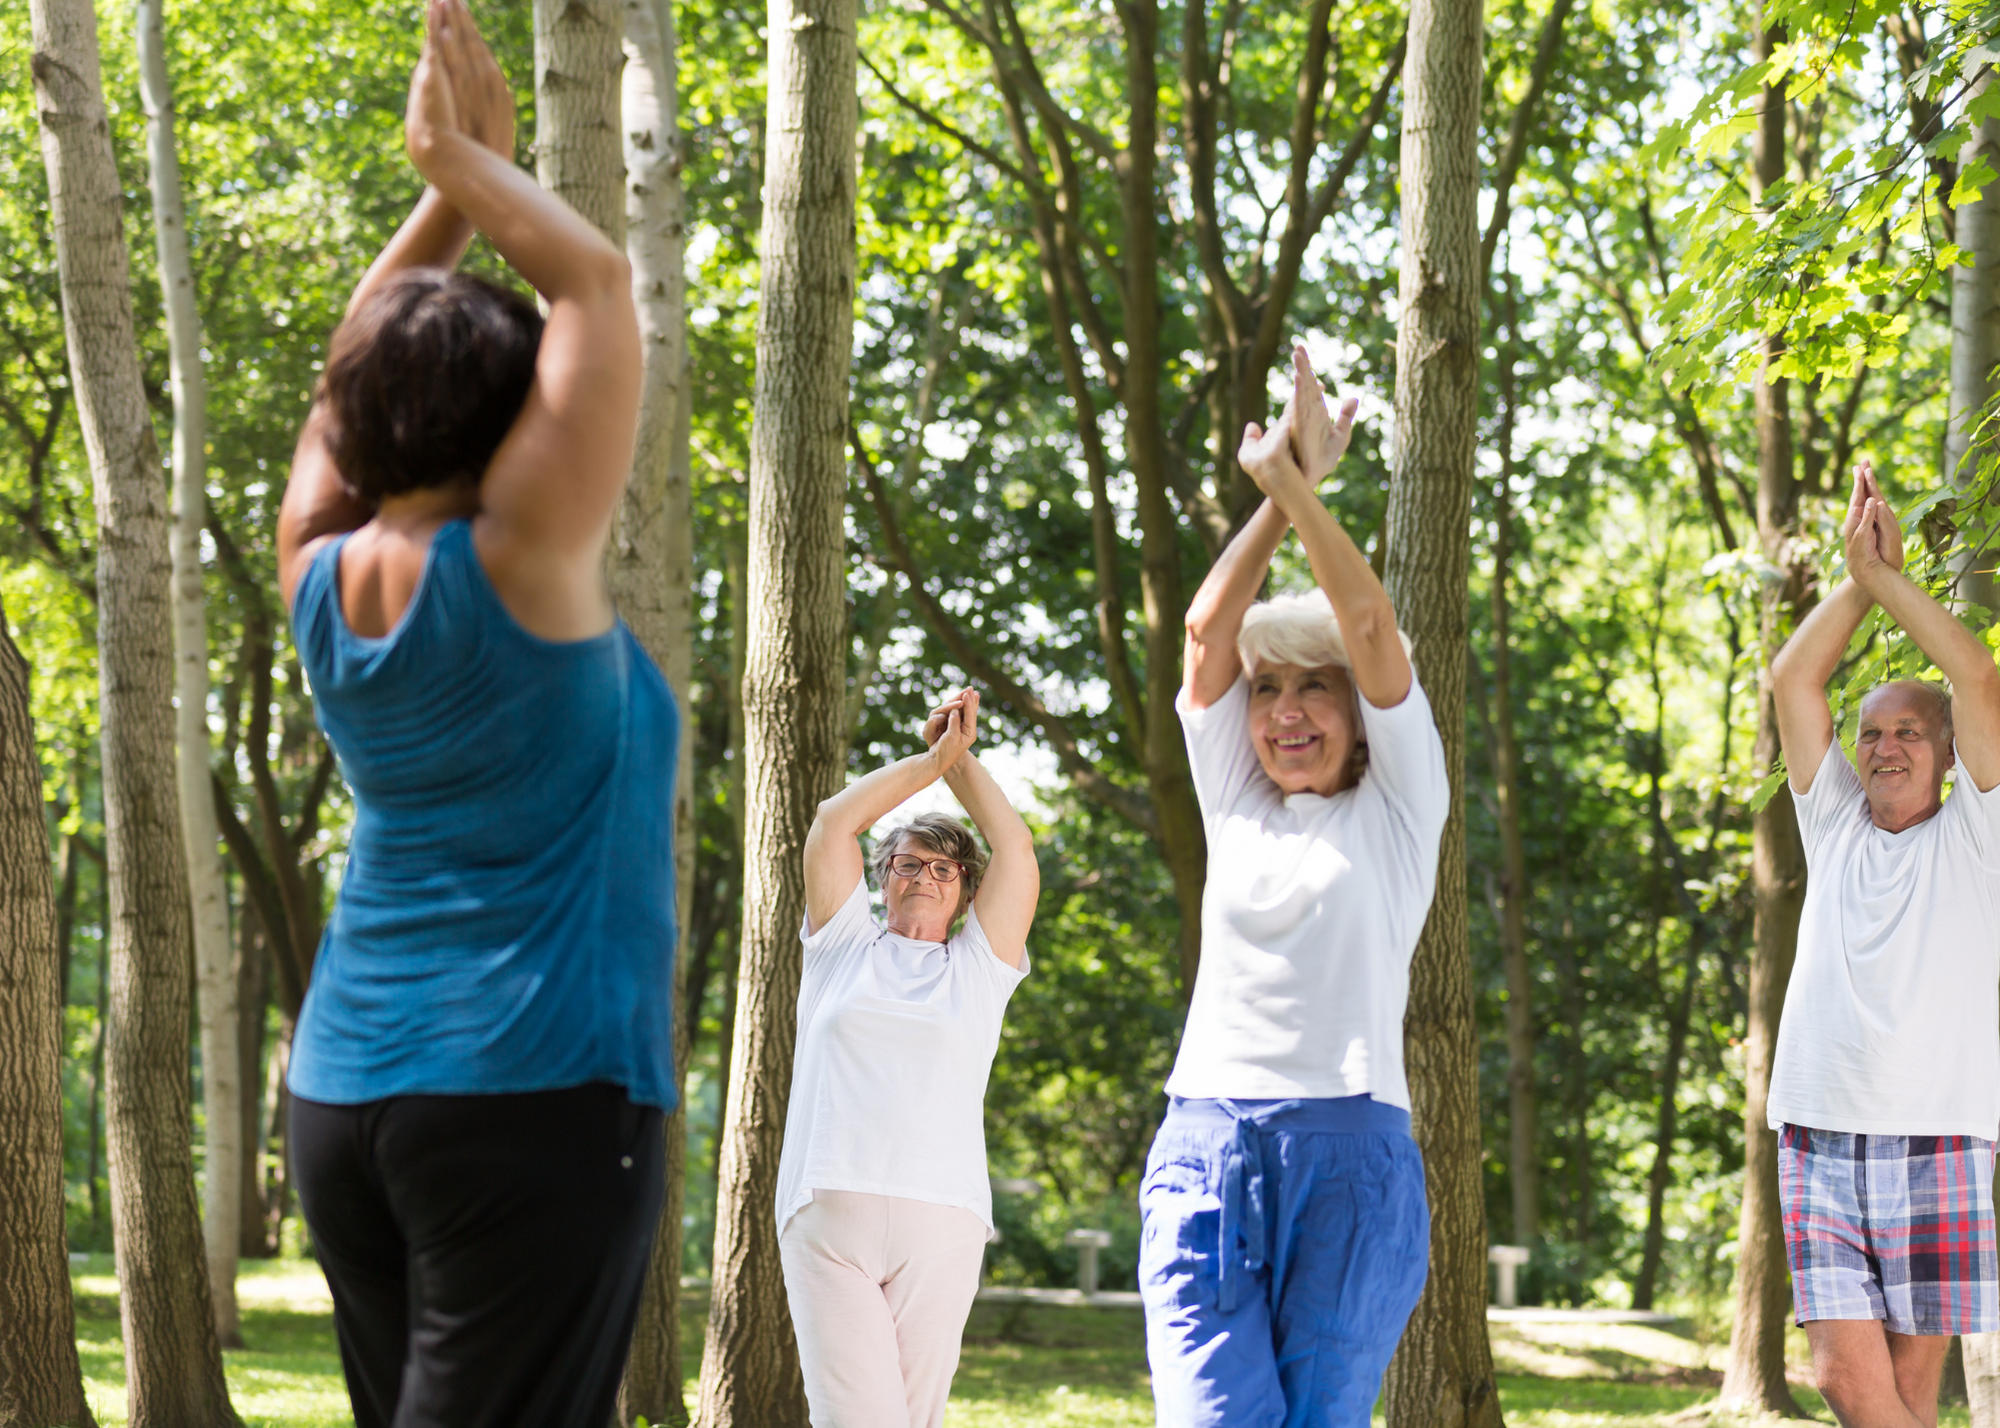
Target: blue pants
{"type": "Point", "coordinates": [1284, 1245]}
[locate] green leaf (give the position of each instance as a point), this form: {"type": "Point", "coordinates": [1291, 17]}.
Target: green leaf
{"type": "Point", "coordinates": [1767, 789]}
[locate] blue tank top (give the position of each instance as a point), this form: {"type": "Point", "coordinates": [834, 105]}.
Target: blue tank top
{"type": "Point", "coordinates": [506, 918]}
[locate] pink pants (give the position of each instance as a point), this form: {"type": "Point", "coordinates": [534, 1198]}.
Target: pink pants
{"type": "Point", "coordinates": [879, 1289]}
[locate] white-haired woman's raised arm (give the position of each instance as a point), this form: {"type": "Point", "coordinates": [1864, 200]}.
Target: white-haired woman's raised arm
{"type": "Point", "coordinates": [1209, 663]}
{"type": "Point", "coordinates": [1287, 463]}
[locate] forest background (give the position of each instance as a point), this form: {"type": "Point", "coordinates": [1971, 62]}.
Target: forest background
{"type": "Point", "coordinates": [1623, 581]}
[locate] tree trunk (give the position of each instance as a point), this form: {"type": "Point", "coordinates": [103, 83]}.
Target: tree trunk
{"type": "Point", "coordinates": [94, 1162]}
{"type": "Point", "coordinates": [1523, 1165]}
{"type": "Point", "coordinates": [253, 996]}
{"type": "Point", "coordinates": [652, 578]}
{"type": "Point", "coordinates": [795, 677]}
{"type": "Point", "coordinates": [1442, 1375]}
{"type": "Point", "coordinates": [1982, 1378]}
{"type": "Point", "coordinates": [1755, 1376]}
{"type": "Point", "coordinates": [215, 976]}
{"type": "Point", "coordinates": [1975, 352]}
{"type": "Point", "coordinates": [173, 1362]}
{"type": "Point", "coordinates": [1646, 1286]}
{"type": "Point", "coordinates": [41, 1381]}
{"type": "Point", "coordinates": [579, 51]}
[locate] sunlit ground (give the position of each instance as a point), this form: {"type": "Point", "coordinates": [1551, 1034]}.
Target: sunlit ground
{"type": "Point", "coordinates": [1024, 1366]}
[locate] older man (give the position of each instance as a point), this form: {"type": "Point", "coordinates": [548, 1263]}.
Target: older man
{"type": "Point", "coordinates": [1886, 1087]}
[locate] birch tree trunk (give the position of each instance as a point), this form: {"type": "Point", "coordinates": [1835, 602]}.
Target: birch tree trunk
{"type": "Point", "coordinates": [215, 972]}
{"type": "Point", "coordinates": [1975, 352]}
{"type": "Point", "coordinates": [652, 578]}
{"type": "Point", "coordinates": [41, 1381]}
{"type": "Point", "coordinates": [173, 1362]}
{"type": "Point", "coordinates": [1442, 1375]}
{"type": "Point", "coordinates": [579, 53]}
{"type": "Point", "coordinates": [1754, 1378]}
{"type": "Point", "coordinates": [795, 675]}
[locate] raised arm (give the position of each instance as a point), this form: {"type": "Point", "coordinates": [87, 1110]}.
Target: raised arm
{"type": "Point", "coordinates": [1800, 670]}
{"type": "Point", "coordinates": [1215, 617]}
{"type": "Point", "coordinates": [1875, 562]}
{"type": "Point", "coordinates": [1288, 463]}
{"type": "Point", "coordinates": [318, 503]}
{"type": "Point", "coordinates": [833, 843]}
{"type": "Point", "coordinates": [1013, 882]}
{"type": "Point", "coordinates": [547, 499]}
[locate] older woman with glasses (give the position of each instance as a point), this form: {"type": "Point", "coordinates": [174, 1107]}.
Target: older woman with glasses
{"type": "Point", "coordinates": [884, 1207]}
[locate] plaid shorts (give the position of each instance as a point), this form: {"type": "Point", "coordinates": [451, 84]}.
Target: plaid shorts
{"type": "Point", "coordinates": [1890, 1227]}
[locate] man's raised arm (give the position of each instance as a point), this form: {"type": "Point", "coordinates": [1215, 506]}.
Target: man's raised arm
{"type": "Point", "coordinates": [1875, 560]}
{"type": "Point", "coordinates": [1801, 669]}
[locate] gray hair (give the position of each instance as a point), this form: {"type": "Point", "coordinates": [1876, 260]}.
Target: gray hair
{"type": "Point", "coordinates": [941, 836]}
{"type": "Point", "coordinates": [1295, 629]}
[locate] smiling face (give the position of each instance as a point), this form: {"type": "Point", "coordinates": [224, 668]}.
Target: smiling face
{"type": "Point", "coordinates": [1901, 751]}
{"type": "Point", "coordinates": [1304, 723]}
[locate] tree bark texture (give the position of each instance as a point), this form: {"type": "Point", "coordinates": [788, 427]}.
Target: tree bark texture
{"type": "Point", "coordinates": [1754, 1378]}
{"type": "Point", "coordinates": [1975, 352]}
{"type": "Point", "coordinates": [41, 1381]}
{"type": "Point", "coordinates": [173, 1362]}
{"type": "Point", "coordinates": [1442, 1375]}
{"type": "Point", "coordinates": [215, 973]}
{"type": "Point", "coordinates": [651, 565]}
{"type": "Point", "coordinates": [1982, 1378]}
{"type": "Point", "coordinates": [579, 53]}
{"type": "Point", "coordinates": [795, 674]}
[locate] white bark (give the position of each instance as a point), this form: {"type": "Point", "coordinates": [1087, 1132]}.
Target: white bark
{"type": "Point", "coordinates": [1975, 351]}
{"type": "Point", "coordinates": [579, 51]}
{"type": "Point", "coordinates": [215, 976]}
{"type": "Point", "coordinates": [651, 567]}
{"type": "Point", "coordinates": [173, 1365]}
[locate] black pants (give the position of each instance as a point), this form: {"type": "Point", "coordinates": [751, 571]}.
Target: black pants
{"type": "Point", "coordinates": [486, 1253]}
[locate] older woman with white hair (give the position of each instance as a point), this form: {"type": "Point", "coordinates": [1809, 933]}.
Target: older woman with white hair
{"type": "Point", "coordinates": [884, 1207]}
{"type": "Point", "coordinates": [1286, 1233]}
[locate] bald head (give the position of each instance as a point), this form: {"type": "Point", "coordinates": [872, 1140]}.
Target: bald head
{"type": "Point", "coordinates": [1902, 750]}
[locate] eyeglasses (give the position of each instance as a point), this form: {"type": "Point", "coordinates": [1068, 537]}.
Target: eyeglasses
{"type": "Point", "coordinates": [944, 870]}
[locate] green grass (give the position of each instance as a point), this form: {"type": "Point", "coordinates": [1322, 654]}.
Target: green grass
{"type": "Point", "coordinates": [288, 1377]}
{"type": "Point", "coordinates": [1023, 1366]}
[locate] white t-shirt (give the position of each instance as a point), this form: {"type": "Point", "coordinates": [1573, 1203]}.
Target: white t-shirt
{"type": "Point", "coordinates": [1311, 912]}
{"type": "Point", "coordinates": [896, 1038]}
{"type": "Point", "coordinates": [1892, 1018]}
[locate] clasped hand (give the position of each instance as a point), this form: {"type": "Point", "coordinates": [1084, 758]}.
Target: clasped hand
{"type": "Point", "coordinates": [457, 88]}
{"type": "Point", "coordinates": [1305, 443]}
{"type": "Point", "coordinates": [1873, 537]}
{"type": "Point", "coordinates": [951, 728]}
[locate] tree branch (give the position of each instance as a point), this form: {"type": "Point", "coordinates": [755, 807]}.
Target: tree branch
{"type": "Point", "coordinates": [261, 892]}
{"type": "Point", "coordinates": [1134, 807]}
{"type": "Point", "coordinates": [1509, 166]}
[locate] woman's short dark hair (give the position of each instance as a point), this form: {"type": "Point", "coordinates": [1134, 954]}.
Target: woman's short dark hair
{"type": "Point", "coordinates": [424, 380]}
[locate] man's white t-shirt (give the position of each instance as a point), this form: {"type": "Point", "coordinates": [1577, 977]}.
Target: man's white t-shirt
{"type": "Point", "coordinates": [1892, 1018]}
{"type": "Point", "coordinates": [1311, 912]}
{"type": "Point", "coordinates": [896, 1039]}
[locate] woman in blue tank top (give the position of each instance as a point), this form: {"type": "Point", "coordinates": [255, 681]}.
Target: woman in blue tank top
{"type": "Point", "coordinates": [481, 1070]}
